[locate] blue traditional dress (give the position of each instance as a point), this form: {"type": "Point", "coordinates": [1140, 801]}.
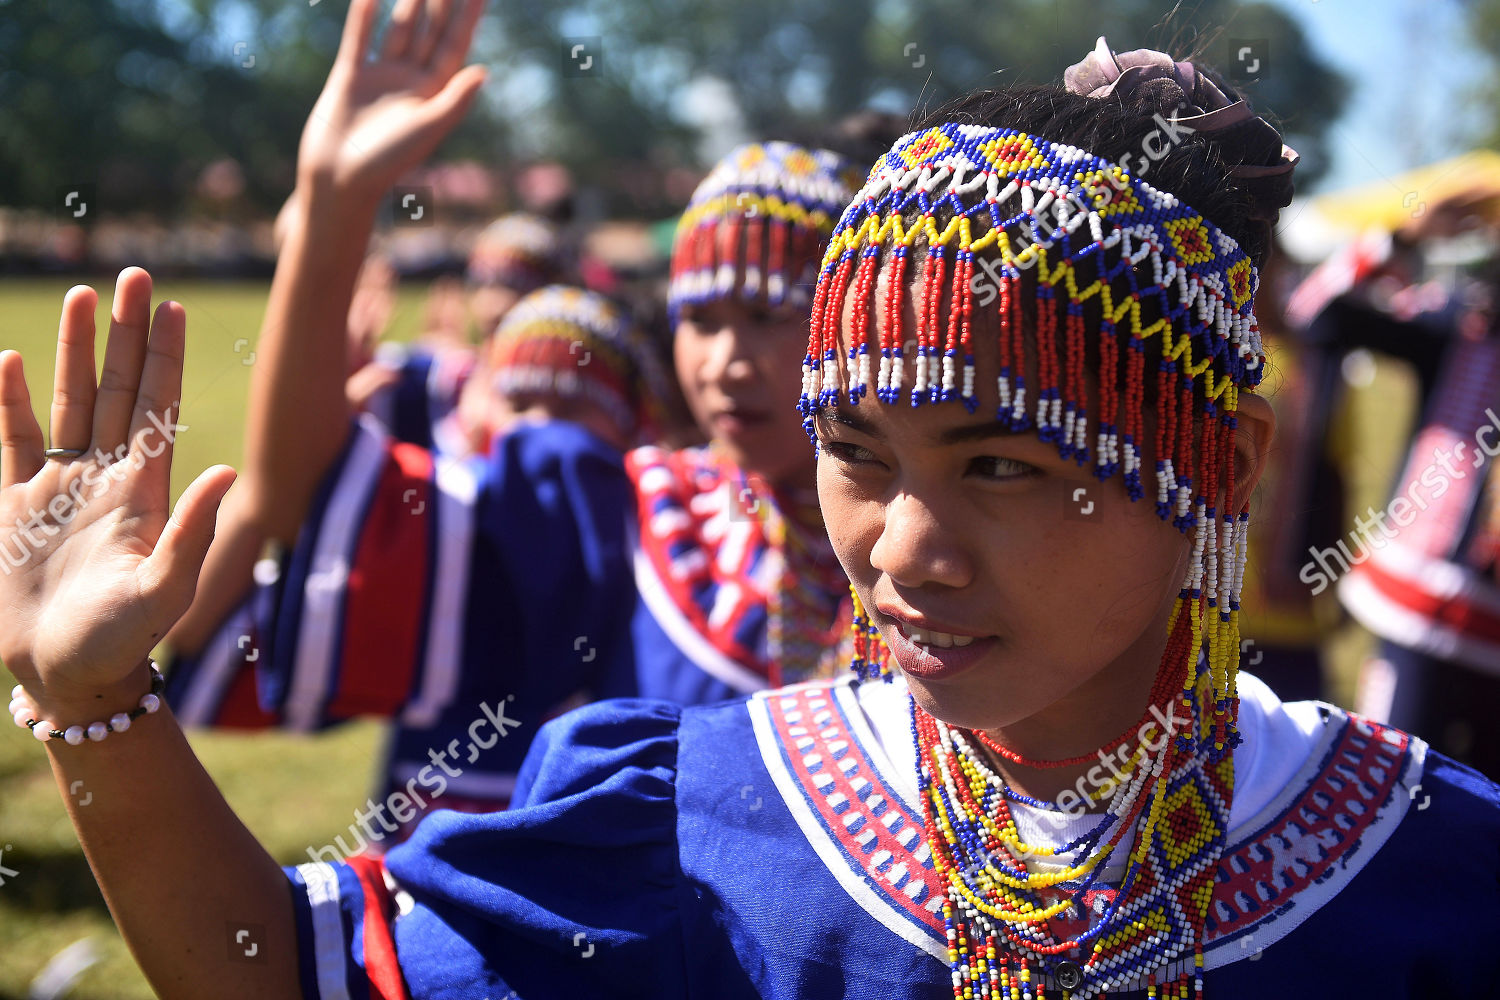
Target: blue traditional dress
{"type": "Point", "coordinates": [421, 406]}
{"type": "Point", "coordinates": [774, 847]}
{"type": "Point", "coordinates": [549, 573]}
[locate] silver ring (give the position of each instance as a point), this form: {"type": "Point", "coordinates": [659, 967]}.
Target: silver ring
{"type": "Point", "coordinates": [65, 454]}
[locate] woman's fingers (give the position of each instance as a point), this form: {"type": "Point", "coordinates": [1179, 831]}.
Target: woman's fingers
{"type": "Point", "coordinates": [153, 423]}
{"type": "Point", "coordinates": [20, 434]}
{"type": "Point", "coordinates": [433, 27]}
{"type": "Point", "coordinates": [453, 48]}
{"type": "Point", "coordinates": [359, 25]}
{"type": "Point", "coordinates": [73, 386]}
{"type": "Point", "coordinates": [442, 112]}
{"type": "Point", "coordinates": [398, 33]}
{"type": "Point", "coordinates": [124, 353]}
{"type": "Point", "coordinates": [170, 573]}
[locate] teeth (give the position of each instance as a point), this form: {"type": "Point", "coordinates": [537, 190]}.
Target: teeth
{"type": "Point", "coordinates": [943, 640]}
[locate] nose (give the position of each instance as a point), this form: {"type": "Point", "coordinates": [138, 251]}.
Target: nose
{"type": "Point", "coordinates": [915, 549]}
{"type": "Point", "coordinates": [731, 356]}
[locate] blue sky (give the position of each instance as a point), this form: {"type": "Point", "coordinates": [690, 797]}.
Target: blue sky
{"type": "Point", "coordinates": [1413, 71]}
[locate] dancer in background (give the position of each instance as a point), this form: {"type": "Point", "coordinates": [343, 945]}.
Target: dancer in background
{"type": "Point", "coordinates": [1421, 573]}
{"type": "Point", "coordinates": [556, 568]}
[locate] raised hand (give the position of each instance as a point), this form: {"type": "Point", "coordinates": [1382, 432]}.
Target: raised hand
{"type": "Point", "coordinates": [379, 117]}
{"type": "Point", "coordinates": [93, 571]}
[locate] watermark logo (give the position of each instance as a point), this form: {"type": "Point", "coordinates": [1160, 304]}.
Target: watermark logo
{"type": "Point", "coordinates": [582, 56]}
{"type": "Point", "coordinates": [921, 59]}
{"type": "Point", "coordinates": [245, 941]}
{"type": "Point", "coordinates": [37, 526]}
{"type": "Point", "coordinates": [1078, 501]}
{"type": "Point", "coordinates": [4, 871]}
{"type": "Point", "coordinates": [412, 206]}
{"type": "Point", "coordinates": [1249, 58]}
{"type": "Point", "coordinates": [403, 804]}
{"type": "Point", "coordinates": [77, 202]}
{"type": "Point", "coordinates": [1374, 529]}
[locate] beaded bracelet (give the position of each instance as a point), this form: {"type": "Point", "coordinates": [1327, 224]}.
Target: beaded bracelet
{"type": "Point", "coordinates": [96, 731]}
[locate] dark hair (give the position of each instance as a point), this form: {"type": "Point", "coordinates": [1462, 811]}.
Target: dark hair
{"type": "Point", "coordinates": [1195, 168]}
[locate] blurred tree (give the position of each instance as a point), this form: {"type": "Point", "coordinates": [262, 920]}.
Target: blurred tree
{"type": "Point", "coordinates": [1484, 24]}
{"type": "Point", "coordinates": [789, 63]}
{"type": "Point", "coordinates": [138, 96]}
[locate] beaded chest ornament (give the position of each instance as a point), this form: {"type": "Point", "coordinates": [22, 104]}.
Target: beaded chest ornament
{"type": "Point", "coordinates": [1069, 227]}
{"type": "Point", "coordinates": [571, 342]}
{"type": "Point", "coordinates": [756, 225]}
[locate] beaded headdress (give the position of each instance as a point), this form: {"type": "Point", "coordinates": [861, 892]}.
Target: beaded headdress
{"type": "Point", "coordinates": [756, 224]}
{"type": "Point", "coordinates": [1087, 270]}
{"type": "Point", "coordinates": [520, 251]}
{"type": "Point", "coordinates": [568, 341]}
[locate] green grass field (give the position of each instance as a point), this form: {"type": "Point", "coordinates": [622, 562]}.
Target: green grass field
{"type": "Point", "coordinates": [296, 792]}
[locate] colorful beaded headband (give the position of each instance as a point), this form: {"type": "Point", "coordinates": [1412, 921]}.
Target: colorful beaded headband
{"type": "Point", "coordinates": [1078, 227]}
{"type": "Point", "coordinates": [519, 251]}
{"type": "Point", "coordinates": [756, 225]}
{"type": "Point", "coordinates": [569, 341]}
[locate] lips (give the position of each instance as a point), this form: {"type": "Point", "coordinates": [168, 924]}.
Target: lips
{"type": "Point", "coordinates": [740, 419]}
{"type": "Point", "coordinates": [933, 650]}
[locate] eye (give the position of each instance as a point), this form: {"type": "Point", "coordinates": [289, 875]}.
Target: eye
{"type": "Point", "coordinates": [1005, 469]}
{"type": "Point", "coordinates": [844, 451]}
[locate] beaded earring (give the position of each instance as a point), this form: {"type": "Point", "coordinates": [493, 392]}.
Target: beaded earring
{"type": "Point", "coordinates": [872, 658]}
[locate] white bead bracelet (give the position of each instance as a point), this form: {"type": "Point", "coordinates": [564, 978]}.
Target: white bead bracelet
{"type": "Point", "coordinates": [22, 710]}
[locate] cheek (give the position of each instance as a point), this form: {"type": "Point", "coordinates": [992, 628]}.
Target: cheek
{"type": "Point", "coordinates": [687, 358]}
{"type": "Point", "coordinates": [854, 524]}
{"type": "Point", "coordinates": [1113, 577]}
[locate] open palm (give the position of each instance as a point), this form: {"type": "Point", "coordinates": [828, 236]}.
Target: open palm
{"type": "Point", "coordinates": [381, 116]}
{"type": "Point", "coordinates": [93, 570]}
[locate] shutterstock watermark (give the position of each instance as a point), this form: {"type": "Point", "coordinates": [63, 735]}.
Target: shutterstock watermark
{"type": "Point", "coordinates": [18, 548]}
{"type": "Point", "coordinates": [1371, 530]}
{"type": "Point", "coordinates": [403, 804]}
{"type": "Point", "coordinates": [1114, 769]}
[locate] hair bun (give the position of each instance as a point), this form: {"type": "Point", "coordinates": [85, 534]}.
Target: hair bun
{"type": "Point", "coordinates": [1250, 145]}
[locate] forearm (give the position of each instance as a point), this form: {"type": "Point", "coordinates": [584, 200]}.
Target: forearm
{"type": "Point", "coordinates": [181, 874]}
{"type": "Point", "coordinates": [299, 416]}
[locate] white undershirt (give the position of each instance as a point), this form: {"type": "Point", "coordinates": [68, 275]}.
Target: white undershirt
{"type": "Point", "coordinates": [1277, 740]}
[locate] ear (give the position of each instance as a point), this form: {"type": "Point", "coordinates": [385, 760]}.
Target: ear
{"type": "Point", "coordinates": [1255, 427]}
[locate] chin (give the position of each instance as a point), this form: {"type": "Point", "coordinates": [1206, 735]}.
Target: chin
{"type": "Point", "coordinates": [954, 706]}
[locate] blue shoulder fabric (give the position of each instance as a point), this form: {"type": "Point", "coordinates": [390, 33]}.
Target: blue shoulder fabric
{"type": "Point", "coordinates": [1420, 920]}
{"type": "Point", "coordinates": [577, 890]}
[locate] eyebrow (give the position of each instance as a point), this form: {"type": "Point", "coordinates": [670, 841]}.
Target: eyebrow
{"type": "Point", "coordinates": [952, 435]}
